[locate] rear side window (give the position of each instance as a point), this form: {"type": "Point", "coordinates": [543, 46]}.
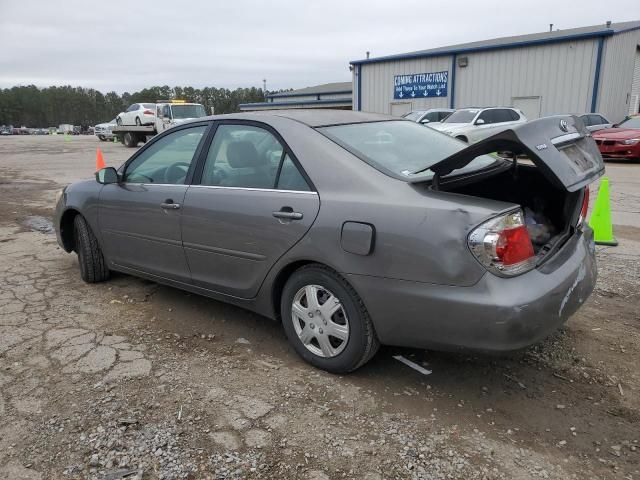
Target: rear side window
{"type": "Point", "coordinates": [596, 120]}
{"type": "Point", "coordinates": [242, 156]}
{"type": "Point", "coordinates": [515, 116]}
{"type": "Point", "coordinates": [290, 177]}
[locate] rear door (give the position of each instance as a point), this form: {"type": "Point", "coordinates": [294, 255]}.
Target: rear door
{"type": "Point", "coordinates": [139, 218]}
{"type": "Point", "coordinates": [250, 203]}
{"type": "Point", "coordinates": [561, 147]}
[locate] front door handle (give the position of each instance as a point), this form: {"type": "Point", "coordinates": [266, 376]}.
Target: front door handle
{"type": "Point", "coordinates": [287, 213]}
{"type": "Point", "coordinates": [169, 205]}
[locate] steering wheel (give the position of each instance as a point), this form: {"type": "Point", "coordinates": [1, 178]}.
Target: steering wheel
{"type": "Point", "coordinates": [175, 172]}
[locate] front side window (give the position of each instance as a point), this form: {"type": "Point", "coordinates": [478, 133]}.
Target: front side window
{"type": "Point", "coordinates": [488, 116]}
{"type": "Point", "coordinates": [167, 160]}
{"type": "Point", "coordinates": [432, 116]}
{"type": "Point", "coordinates": [462, 116]}
{"type": "Point", "coordinates": [413, 116]}
{"type": "Point", "coordinates": [243, 156]}
{"type": "Point", "coordinates": [503, 115]}
{"type": "Point", "coordinates": [400, 148]}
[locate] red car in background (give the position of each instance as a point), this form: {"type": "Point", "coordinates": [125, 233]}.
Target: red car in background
{"type": "Point", "coordinates": [621, 142]}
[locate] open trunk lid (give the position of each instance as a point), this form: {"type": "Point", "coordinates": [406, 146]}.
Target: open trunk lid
{"type": "Point", "coordinates": [560, 146]}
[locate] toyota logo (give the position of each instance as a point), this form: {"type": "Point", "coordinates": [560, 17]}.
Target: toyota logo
{"type": "Point", "coordinates": [564, 126]}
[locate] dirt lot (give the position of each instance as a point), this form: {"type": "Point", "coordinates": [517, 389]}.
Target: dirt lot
{"type": "Point", "coordinates": [130, 379]}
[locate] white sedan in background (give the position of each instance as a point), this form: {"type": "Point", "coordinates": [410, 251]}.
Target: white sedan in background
{"type": "Point", "coordinates": [138, 114]}
{"type": "Point", "coordinates": [474, 124]}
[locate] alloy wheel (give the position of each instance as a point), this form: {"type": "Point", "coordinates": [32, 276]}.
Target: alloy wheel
{"type": "Point", "coordinates": [320, 321]}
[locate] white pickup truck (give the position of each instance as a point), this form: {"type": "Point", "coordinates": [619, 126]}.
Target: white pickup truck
{"type": "Point", "coordinates": [168, 114]}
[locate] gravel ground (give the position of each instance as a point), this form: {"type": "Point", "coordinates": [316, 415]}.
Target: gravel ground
{"type": "Point", "coordinates": [130, 379]}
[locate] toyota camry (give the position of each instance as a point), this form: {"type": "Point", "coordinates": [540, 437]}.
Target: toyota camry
{"type": "Point", "coordinates": [353, 229]}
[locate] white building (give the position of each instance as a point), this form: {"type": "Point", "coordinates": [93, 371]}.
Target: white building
{"type": "Point", "coordinates": [588, 69]}
{"type": "Point", "coordinates": [329, 95]}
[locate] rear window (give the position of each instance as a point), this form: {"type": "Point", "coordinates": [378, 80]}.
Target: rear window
{"type": "Point", "coordinates": [149, 105]}
{"type": "Point", "coordinates": [461, 116]}
{"type": "Point", "coordinates": [400, 148]}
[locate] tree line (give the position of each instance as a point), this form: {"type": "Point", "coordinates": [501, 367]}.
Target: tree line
{"type": "Point", "coordinates": [31, 106]}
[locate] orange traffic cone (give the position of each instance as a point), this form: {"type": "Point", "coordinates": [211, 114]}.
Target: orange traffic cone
{"type": "Point", "coordinates": [99, 160]}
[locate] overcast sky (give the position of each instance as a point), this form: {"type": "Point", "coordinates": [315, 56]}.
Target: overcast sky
{"type": "Point", "coordinates": [128, 45]}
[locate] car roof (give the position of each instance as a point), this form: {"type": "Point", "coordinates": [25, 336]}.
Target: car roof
{"type": "Point", "coordinates": [311, 117]}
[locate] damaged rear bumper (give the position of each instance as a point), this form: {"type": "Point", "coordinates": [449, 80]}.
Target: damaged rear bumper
{"type": "Point", "coordinates": [496, 314]}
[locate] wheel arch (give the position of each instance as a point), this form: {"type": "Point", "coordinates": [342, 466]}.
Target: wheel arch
{"type": "Point", "coordinates": [67, 229]}
{"type": "Point", "coordinates": [281, 278]}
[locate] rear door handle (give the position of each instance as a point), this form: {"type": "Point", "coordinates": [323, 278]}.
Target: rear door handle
{"type": "Point", "coordinates": [169, 205]}
{"type": "Point", "coordinates": [288, 214]}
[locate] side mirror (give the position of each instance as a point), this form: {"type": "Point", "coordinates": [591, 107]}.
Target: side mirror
{"type": "Point", "coordinates": [425, 121]}
{"type": "Point", "coordinates": [107, 175]}
{"type": "Point", "coordinates": [480, 122]}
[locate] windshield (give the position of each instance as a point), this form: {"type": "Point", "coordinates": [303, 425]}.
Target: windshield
{"type": "Point", "coordinates": [413, 116]}
{"type": "Point", "coordinates": [461, 116]}
{"type": "Point", "coordinates": [633, 122]}
{"type": "Point", "coordinates": [399, 148]}
{"type": "Point", "coordinates": [188, 111]}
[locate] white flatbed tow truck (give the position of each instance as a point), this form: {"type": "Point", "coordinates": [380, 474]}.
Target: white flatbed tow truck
{"type": "Point", "coordinates": [168, 114]}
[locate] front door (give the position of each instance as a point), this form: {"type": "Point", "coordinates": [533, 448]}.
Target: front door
{"type": "Point", "coordinates": [139, 218]}
{"type": "Point", "coordinates": [252, 204]}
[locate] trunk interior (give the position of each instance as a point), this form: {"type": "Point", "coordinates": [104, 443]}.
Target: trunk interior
{"type": "Point", "coordinates": [550, 213]}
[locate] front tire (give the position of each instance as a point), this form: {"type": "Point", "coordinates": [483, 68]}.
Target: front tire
{"type": "Point", "coordinates": [326, 321]}
{"type": "Point", "coordinates": [138, 122]}
{"type": "Point", "coordinates": [463, 138]}
{"type": "Point", "coordinates": [102, 138]}
{"type": "Point", "coordinates": [119, 121]}
{"type": "Point", "coordinates": [93, 267]}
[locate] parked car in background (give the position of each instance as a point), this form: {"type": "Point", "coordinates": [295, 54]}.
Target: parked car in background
{"type": "Point", "coordinates": [621, 142]}
{"type": "Point", "coordinates": [474, 124]}
{"type": "Point", "coordinates": [594, 121]}
{"type": "Point", "coordinates": [432, 115]}
{"type": "Point", "coordinates": [104, 130]}
{"type": "Point", "coordinates": [138, 114]}
{"type": "Point", "coordinates": [6, 130]}
{"type": "Point", "coordinates": [467, 255]}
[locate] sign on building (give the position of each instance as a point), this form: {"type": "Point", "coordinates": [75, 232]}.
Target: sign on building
{"type": "Point", "coordinates": [420, 85]}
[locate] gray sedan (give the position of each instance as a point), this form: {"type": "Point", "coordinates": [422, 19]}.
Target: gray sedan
{"type": "Point", "coordinates": [352, 229]}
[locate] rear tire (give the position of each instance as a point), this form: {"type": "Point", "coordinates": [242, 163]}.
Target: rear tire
{"type": "Point", "coordinates": [130, 140]}
{"type": "Point", "coordinates": [93, 267]}
{"type": "Point", "coordinates": [119, 121]}
{"type": "Point", "coordinates": [361, 342]}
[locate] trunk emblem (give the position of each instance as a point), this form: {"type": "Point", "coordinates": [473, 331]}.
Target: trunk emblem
{"type": "Point", "coordinates": [564, 126]}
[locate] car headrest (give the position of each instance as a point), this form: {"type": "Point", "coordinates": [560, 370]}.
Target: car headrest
{"type": "Point", "coordinates": [242, 154]}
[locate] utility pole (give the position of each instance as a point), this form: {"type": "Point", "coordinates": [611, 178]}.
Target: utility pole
{"type": "Point", "coordinates": [264, 87]}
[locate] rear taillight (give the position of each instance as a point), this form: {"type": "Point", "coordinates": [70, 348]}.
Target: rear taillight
{"type": "Point", "coordinates": [149, 112]}
{"type": "Point", "coordinates": [585, 207]}
{"type": "Point", "coordinates": [503, 245]}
